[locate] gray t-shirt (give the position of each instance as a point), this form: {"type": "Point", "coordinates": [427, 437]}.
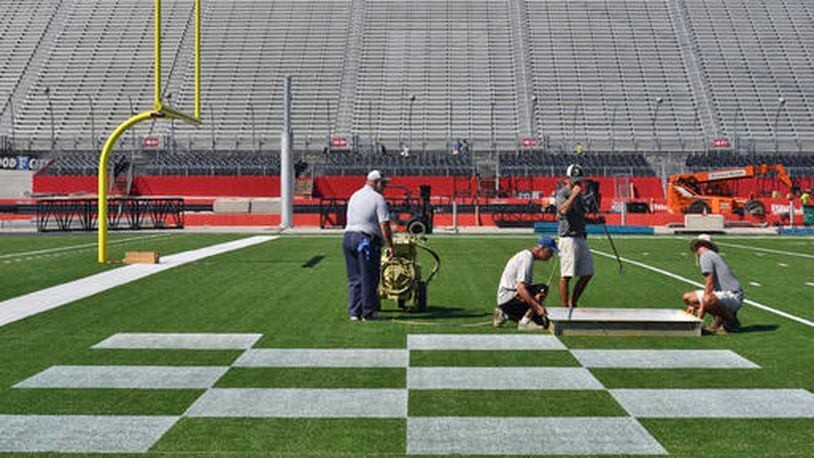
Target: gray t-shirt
{"type": "Point", "coordinates": [571, 224]}
{"type": "Point", "coordinates": [722, 277]}
{"type": "Point", "coordinates": [520, 268]}
{"type": "Point", "coordinates": [366, 209]}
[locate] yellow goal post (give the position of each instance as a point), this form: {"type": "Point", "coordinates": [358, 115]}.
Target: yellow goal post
{"type": "Point", "coordinates": [159, 111]}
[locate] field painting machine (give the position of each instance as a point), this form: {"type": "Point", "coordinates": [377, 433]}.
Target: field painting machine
{"type": "Point", "coordinates": [401, 278]}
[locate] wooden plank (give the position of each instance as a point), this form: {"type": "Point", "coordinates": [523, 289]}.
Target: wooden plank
{"type": "Point", "coordinates": [141, 257]}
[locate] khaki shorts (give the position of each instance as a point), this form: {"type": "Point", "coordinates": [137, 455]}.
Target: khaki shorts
{"type": "Point", "coordinates": [730, 299]}
{"type": "Point", "coordinates": [575, 257]}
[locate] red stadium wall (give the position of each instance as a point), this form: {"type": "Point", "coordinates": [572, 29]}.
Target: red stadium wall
{"type": "Point", "coordinates": [325, 186]}
{"type": "Point", "coordinates": [218, 186]}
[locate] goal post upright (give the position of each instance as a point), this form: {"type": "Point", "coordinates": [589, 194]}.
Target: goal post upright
{"type": "Point", "coordinates": [159, 111]}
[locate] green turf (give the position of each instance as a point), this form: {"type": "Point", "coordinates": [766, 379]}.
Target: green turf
{"type": "Point", "coordinates": [733, 437]}
{"type": "Point", "coordinates": [324, 377]}
{"type": "Point", "coordinates": [97, 401]}
{"type": "Point", "coordinates": [133, 357]}
{"type": "Point", "coordinates": [22, 270]}
{"type": "Point", "coordinates": [505, 403]}
{"type": "Point", "coordinates": [265, 289]}
{"type": "Point", "coordinates": [294, 437]}
{"type": "Point", "coordinates": [478, 358]}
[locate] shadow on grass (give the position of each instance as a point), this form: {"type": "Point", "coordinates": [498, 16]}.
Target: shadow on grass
{"type": "Point", "coordinates": [758, 328]}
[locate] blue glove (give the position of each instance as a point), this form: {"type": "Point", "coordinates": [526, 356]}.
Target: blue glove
{"type": "Point", "coordinates": [364, 247]}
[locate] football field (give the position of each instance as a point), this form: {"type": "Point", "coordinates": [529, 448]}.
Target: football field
{"type": "Point", "coordinates": [248, 350]}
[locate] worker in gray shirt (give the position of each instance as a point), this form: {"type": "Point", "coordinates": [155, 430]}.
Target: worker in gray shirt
{"type": "Point", "coordinates": [722, 295]}
{"type": "Point", "coordinates": [575, 254]}
{"type": "Point", "coordinates": [367, 228]}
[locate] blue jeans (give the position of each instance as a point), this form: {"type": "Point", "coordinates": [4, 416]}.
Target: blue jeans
{"type": "Point", "coordinates": [363, 273]}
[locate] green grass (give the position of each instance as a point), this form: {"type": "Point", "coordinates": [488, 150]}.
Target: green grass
{"type": "Point", "coordinates": [294, 437]}
{"type": "Point", "coordinates": [24, 268]}
{"type": "Point", "coordinates": [527, 403]}
{"type": "Point", "coordinates": [485, 358]}
{"type": "Point", "coordinates": [265, 289]}
{"type": "Point", "coordinates": [256, 377]}
{"type": "Point", "coordinates": [97, 401]}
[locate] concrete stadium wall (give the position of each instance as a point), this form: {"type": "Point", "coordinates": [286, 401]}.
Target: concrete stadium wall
{"type": "Point", "coordinates": [15, 183]}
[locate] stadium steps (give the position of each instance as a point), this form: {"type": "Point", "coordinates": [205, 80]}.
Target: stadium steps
{"type": "Point", "coordinates": [710, 124]}
{"type": "Point", "coordinates": [523, 62]}
{"type": "Point", "coordinates": [350, 66]}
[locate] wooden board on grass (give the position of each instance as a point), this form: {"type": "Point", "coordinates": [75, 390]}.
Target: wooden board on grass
{"type": "Point", "coordinates": [141, 257]}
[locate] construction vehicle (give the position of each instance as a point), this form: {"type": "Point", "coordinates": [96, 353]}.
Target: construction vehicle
{"type": "Point", "coordinates": [401, 279]}
{"type": "Point", "coordinates": [711, 192]}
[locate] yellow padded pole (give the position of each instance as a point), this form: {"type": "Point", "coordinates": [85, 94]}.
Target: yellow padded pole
{"type": "Point", "coordinates": [157, 57]}
{"type": "Point", "coordinates": [103, 179]}
{"type": "Point", "coordinates": [198, 59]}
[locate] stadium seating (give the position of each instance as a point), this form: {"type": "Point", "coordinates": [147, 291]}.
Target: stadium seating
{"type": "Point", "coordinates": [454, 57]}
{"type": "Point", "coordinates": [599, 69]}
{"type": "Point", "coordinates": [420, 73]}
{"type": "Point", "coordinates": [229, 163]}
{"type": "Point", "coordinates": [535, 163]}
{"type": "Point", "coordinates": [103, 55]}
{"type": "Point", "coordinates": [417, 164]}
{"type": "Point", "coordinates": [754, 53]}
{"type": "Point", "coordinates": [22, 25]}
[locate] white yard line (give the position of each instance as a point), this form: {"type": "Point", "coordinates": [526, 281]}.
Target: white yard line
{"type": "Point", "coordinates": [30, 304]}
{"type": "Point", "coordinates": [78, 247]}
{"type": "Point", "coordinates": [765, 250]}
{"type": "Point", "coordinates": [699, 285]}
{"type": "Point", "coordinates": [809, 283]}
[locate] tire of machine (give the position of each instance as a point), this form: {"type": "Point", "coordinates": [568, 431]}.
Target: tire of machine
{"type": "Point", "coordinates": [416, 227]}
{"type": "Point", "coordinates": [421, 297]}
{"type": "Point", "coordinates": [698, 207]}
{"type": "Point", "coordinates": [755, 207]}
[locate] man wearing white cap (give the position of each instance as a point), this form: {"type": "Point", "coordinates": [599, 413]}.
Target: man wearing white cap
{"type": "Point", "coordinates": [575, 255]}
{"type": "Point", "coordinates": [722, 295]}
{"type": "Point", "coordinates": [367, 227]}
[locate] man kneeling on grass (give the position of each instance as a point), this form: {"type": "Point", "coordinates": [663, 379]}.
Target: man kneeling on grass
{"type": "Point", "coordinates": [517, 298]}
{"type": "Point", "coordinates": [722, 295]}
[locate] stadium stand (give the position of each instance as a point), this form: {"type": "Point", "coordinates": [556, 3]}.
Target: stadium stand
{"type": "Point", "coordinates": [102, 56]}
{"type": "Point", "coordinates": [22, 26]}
{"type": "Point", "coordinates": [197, 163]}
{"type": "Point", "coordinates": [420, 73]}
{"type": "Point", "coordinates": [754, 53]}
{"type": "Point", "coordinates": [417, 164]}
{"type": "Point", "coordinates": [599, 69]}
{"type": "Point", "coordinates": [248, 49]}
{"type": "Point", "coordinates": [432, 71]}
{"type": "Point", "coordinates": [536, 163]}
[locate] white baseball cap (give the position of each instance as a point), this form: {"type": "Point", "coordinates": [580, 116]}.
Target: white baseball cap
{"type": "Point", "coordinates": [375, 175]}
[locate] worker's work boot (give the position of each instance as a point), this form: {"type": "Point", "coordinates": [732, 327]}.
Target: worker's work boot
{"type": "Point", "coordinates": [499, 318]}
{"type": "Point", "coordinates": [529, 325]}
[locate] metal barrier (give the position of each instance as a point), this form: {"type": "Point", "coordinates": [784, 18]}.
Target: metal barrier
{"type": "Point", "coordinates": [66, 215]}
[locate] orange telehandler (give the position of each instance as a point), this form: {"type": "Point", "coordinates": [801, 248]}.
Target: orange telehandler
{"type": "Point", "coordinates": [709, 192]}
